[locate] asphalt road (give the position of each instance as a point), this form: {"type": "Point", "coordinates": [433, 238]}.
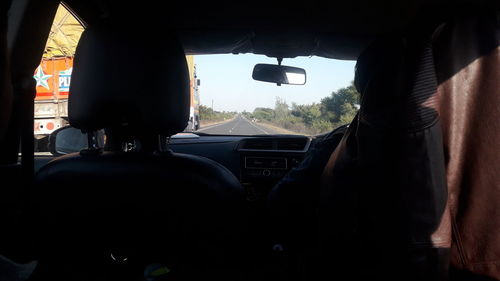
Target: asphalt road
{"type": "Point", "coordinates": [238, 126]}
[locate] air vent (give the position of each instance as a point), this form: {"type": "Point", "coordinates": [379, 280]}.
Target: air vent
{"type": "Point", "coordinates": [292, 144]}
{"type": "Point", "coordinates": [258, 144]}
{"type": "Point", "coordinates": [288, 144]}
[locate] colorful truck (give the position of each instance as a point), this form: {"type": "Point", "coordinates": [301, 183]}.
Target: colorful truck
{"type": "Point", "coordinates": [194, 83]}
{"type": "Point", "coordinates": [53, 78]}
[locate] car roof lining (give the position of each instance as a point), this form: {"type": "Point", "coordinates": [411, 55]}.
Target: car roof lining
{"type": "Point", "coordinates": [331, 29]}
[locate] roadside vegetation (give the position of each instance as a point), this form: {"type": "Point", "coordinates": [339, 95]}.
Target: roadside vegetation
{"type": "Point", "coordinates": [337, 109]}
{"type": "Point", "coordinates": [207, 114]}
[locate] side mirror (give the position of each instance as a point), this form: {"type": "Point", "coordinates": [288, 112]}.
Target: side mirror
{"type": "Point", "coordinates": [68, 140]}
{"type": "Point", "coordinates": [279, 74]}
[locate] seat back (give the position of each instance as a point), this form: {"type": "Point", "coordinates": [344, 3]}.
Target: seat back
{"type": "Point", "coordinates": [383, 193]}
{"type": "Point", "coordinates": [467, 52]}
{"type": "Point", "coordinates": [413, 186]}
{"type": "Point", "coordinates": [110, 214]}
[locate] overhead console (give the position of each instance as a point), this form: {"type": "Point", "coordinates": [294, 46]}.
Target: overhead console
{"type": "Point", "coordinates": [265, 160]}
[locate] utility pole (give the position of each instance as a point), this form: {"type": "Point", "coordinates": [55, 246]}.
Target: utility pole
{"type": "Point", "coordinates": [212, 104]}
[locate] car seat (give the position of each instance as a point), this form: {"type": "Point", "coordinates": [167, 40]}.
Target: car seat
{"type": "Point", "coordinates": [107, 215]}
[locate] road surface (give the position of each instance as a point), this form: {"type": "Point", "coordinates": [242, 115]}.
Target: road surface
{"type": "Point", "coordinates": [238, 126]}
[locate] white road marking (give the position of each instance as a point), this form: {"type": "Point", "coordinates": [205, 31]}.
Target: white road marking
{"type": "Point", "coordinates": [213, 126]}
{"type": "Point", "coordinates": [237, 123]}
{"type": "Point", "coordinates": [257, 127]}
{"type": "Point", "coordinates": [230, 130]}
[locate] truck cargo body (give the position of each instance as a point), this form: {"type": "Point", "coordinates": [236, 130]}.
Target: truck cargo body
{"type": "Point", "coordinates": [53, 78]}
{"type": "Point", "coordinates": [194, 82]}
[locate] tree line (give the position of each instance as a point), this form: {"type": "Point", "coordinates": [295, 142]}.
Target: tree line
{"type": "Point", "coordinates": [337, 109]}
{"type": "Point", "coordinates": [210, 115]}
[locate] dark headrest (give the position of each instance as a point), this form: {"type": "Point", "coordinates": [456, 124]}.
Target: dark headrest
{"type": "Point", "coordinates": [396, 78]}
{"type": "Point", "coordinates": [122, 78]}
{"type": "Point", "coordinates": [377, 59]}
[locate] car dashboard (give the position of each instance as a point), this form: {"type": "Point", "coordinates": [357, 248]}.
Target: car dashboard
{"type": "Point", "coordinates": [258, 162]}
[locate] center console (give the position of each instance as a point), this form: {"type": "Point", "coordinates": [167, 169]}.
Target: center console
{"type": "Point", "coordinates": [265, 160]}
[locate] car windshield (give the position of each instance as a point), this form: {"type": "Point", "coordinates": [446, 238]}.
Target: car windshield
{"type": "Point", "coordinates": [227, 101]}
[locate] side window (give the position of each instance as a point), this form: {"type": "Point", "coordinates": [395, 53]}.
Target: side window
{"type": "Point", "coordinates": [53, 80]}
{"type": "Point", "coordinates": [53, 77]}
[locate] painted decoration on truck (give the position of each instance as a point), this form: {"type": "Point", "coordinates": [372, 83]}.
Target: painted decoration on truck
{"type": "Point", "coordinates": [41, 78]}
{"type": "Point", "coordinates": [53, 78]}
{"type": "Point", "coordinates": [65, 80]}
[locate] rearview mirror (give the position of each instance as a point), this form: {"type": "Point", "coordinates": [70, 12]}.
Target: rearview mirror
{"type": "Point", "coordinates": [279, 74]}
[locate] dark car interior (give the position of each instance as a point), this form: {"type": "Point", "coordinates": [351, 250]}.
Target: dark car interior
{"type": "Point", "coordinates": [410, 190]}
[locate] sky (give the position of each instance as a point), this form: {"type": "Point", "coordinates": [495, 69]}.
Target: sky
{"type": "Point", "coordinates": [227, 81]}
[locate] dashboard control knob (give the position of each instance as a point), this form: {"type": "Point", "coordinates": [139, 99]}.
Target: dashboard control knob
{"type": "Point", "coordinates": [266, 173]}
